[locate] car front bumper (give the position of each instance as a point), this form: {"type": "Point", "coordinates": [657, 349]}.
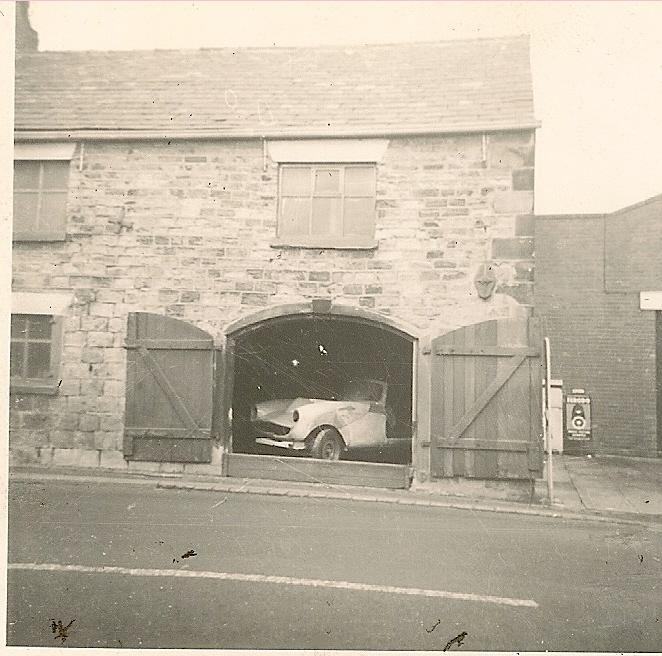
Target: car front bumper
{"type": "Point", "coordinates": [283, 444]}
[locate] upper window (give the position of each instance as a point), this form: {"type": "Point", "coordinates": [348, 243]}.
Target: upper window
{"type": "Point", "coordinates": [40, 198]}
{"type": "Point", "coordinates": [327, 205]}
{"type": "Point", "coordinates": [34, 353]}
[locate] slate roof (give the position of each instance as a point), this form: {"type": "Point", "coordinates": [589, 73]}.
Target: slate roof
{"type": "Point", "coordinates": [451, 86]}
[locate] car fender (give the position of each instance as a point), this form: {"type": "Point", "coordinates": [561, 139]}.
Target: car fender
{"type": "Point", "coordinates": [337, 414]}
{"type": "Point", "coordinates": [313, 433]}
{"type": "Point", "coordinates": [312, 423]}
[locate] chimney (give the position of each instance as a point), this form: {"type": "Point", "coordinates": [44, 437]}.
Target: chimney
{"type": "Point", "coordinates": [27, 39]}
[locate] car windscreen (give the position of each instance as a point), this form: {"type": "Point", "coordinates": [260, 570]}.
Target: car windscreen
{"type": "Point", "coordinates": [363, 390]}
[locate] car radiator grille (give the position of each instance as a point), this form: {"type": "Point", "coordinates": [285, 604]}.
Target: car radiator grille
{"type": "Point", "coordinates": [274, 429]}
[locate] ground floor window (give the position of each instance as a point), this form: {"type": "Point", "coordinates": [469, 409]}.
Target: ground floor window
{"type": "Point", "coordinates": [35, 352]}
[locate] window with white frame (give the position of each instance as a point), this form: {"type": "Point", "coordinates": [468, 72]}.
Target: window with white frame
{"type": "Point", "coordinates": [327, 205]}
{"type": "Point", "coordinates": [35, 352]}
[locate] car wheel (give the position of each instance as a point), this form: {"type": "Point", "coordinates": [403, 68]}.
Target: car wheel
{"type": "Point", "coordinates": [327, 445]}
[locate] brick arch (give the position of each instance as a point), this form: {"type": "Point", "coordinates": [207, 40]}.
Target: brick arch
{"type": "Point", "coordinates": [321, 307]}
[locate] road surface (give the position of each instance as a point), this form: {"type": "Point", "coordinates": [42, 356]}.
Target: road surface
{"type": "Point", "coordinates": [135, 566]}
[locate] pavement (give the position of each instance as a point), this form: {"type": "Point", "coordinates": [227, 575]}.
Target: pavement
{"type": "Point", "coordinates": [609, 485]}
{"type": "Point", "coordinates": [597, 488]}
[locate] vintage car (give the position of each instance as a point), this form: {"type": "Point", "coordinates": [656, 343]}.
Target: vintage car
{"type": "Point", "coordinates": [325, 428]}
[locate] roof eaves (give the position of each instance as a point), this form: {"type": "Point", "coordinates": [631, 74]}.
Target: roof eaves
{"type": "Point", "coordinates": [572, 217]}
{"type": "Point", "coordinates": [634, 206]}
{"type": "Point", "coordinates": [602, 215]}
{"type": "Point", "coordinates": [124, 134]}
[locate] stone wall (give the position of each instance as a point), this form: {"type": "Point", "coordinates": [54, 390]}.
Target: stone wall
{"type": "Point", "coordinates": [186, 229]}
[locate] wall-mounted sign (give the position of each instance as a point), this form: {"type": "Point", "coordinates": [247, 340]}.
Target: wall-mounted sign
{"type": "Point", "coordinates": [577, 421]}
{"type": "Point", "coordinates": [650, 300]}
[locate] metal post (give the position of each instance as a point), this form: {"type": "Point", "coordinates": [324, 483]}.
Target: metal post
{"type": "Point", "coordinates": [547, 393]}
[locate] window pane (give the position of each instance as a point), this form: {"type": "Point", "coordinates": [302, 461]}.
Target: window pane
{"type": "Point", "coordinates": [26, 175]}
{"type": "Point", "coordinates": [294, 216]}
{"type": "Point", "coordinates": [326, 216]}
{"type": "Point", "coordinates": [327, 181]}
{"type": "Point", "coordinates": [18, 326]}
{"type": "Point", "coordinates": [53, 208]}
{"type": "Point", "coordinates": [16, 359]}
{"type": "Point", "coordinates": [360, 181]}
{"type": "Point", "coordinates": [56, 175]}
{"type": "Point", "coordinates": [39, 326]}
{"type": "Point", "coordinates": [295, 181]}
{"type": "Point", "coordinates": [39, 360]}
{"type": "Point", "coordinates": [25, 211]}
{"type": "Point", "coordinates": [359, 216]}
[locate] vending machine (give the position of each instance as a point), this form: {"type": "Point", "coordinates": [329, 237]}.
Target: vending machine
{"type": "Point", "coordinates": [556, 415]}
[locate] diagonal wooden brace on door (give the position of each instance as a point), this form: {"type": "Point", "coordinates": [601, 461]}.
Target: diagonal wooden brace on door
{"type": "Point", "coordinates": [482, 401]}
{"type": "Point", "coordinates": [178, 405]}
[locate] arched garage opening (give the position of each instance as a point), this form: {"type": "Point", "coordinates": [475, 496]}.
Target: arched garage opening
{"type": "Point", "coordinates": [347, 373]}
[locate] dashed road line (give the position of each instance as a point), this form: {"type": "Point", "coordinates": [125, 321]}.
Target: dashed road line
{"type": "Point", "coordinates": [282, 580]}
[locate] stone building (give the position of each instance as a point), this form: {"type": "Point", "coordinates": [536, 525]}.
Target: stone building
{"type": "Point", "coordinates": [388, 187]}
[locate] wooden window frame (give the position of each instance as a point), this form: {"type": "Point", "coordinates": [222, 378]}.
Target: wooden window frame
{"type": "Point", "coordinates": [51, 383]}
{"type": "Point", "coordinates": [325, 241]}
{"type": "Point", "coordinates": [43, 235]}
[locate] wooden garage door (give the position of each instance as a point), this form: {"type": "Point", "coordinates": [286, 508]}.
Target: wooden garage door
{"type": "Point", "coordinates": [169, 390]}
{"type": "Point", "coordinates": [486, 401]}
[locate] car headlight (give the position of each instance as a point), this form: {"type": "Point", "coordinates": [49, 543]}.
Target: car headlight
{"type": "Point", "coordinates": [295, 415]}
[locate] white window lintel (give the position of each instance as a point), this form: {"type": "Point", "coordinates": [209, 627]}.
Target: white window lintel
{"type": "Point", "coordinates": [60, 150]}
{"type": "Point", "coordinates": [320, 151]}
{"type": "Point", "coordinates": [54, 304]}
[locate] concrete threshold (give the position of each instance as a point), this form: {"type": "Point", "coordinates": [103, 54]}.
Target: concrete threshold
{"type": "Point", "coordinates": [323, 491]}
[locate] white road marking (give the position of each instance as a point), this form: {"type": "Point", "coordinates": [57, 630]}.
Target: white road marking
{"type": "Point", "coordinates": [283, 580]}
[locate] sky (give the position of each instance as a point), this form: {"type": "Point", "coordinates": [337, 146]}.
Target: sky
{"type": "Point", "coordinates": [597, 67]}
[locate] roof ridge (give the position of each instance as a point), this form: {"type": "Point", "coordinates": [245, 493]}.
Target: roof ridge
{"type": "Point", "coordinates": [330, 46]}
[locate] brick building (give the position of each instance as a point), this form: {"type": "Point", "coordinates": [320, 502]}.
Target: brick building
{"type": "Point", "coordinates": [598, 293]}
{"type": "Point", "coordinates": [230, 188]}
